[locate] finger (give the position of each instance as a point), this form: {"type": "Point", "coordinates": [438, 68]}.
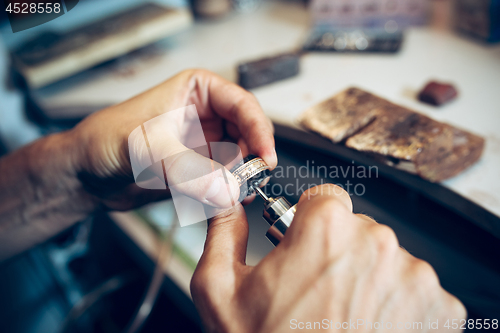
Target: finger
{"type": "Point", "coordinates": [329, 190]}
{"type": "Point", "coordinates": [227, 238]}
{"type": "Point", "coordinates": [222, 261]}
{"type": "Point", "coordinates": [321, 209]}
{"type": "Point", "coordinates": [132, 196]}
{"type": "Point", "coordinates": [249, 199]}
{"type": "Point", "coordinates": [323, 222]}
{"type": "Point", "coordinates": [213, 129]}
{"type": "Point", "coordinates": [243, 147]}
{"type": "Point", "coordinates": [366, 218]}
{"type": "Point", "coordinates": [237, 105]}
{"type": "Point", "coordinates": [232, 131]}
{"type": "Point", "coordinates": [372, 221]}
{"type": "Point", "coordinates": [186, 171]}
{"type": "Point", "coordinates": [202, 179]}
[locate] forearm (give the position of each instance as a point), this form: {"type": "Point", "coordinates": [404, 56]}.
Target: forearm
{"type": "Point", "coordinates": [40, 194]}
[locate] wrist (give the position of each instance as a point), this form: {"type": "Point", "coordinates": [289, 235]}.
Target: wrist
{"type": "Point", "coordinates": [99, 161]}
{"type": "Point", "coordinates": [53, 165]}
{"type": "Point", "coordinates": [41, 193]}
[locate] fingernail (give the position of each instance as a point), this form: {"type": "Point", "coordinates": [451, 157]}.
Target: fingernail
{"type": "Point", "coordinates": [222, 194]}
{"type": "Point", "coordinates": [214, 188]}
{"type": "Point", "coordinates": [274, 159]}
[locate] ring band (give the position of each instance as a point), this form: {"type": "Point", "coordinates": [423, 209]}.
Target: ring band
{"type": "Point", "coordinates": [249, 169]}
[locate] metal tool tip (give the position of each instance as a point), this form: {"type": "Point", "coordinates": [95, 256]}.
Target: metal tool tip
{"type": "Point", "coordinates": [261, 193]}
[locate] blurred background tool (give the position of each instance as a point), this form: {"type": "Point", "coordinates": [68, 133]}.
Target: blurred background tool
{"type": "Point", "coordinates": [213, 9]}
{"type": "Point", "coordinates": [363, 26]}
{"type": "Point", "coordinates": [374, 14]}
{"type": "Point", "coordinates": [51, 56]}
{"type": "Point", "coordinates": [479, 18]}
{"type": "Point", "coordinates": [353, 40]}
{"type": "Point", "coordinates": [260, 72]}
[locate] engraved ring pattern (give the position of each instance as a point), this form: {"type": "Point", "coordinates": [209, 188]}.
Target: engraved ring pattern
{"type": "Point", "coordinates": [249, 169]}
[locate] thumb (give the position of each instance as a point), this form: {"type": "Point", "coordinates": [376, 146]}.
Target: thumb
{"type": "Point", "coordinates": [227, 237]}
{"type": "Point", "coordinates": [201, 178]}
{"type": "Point", "coordinates": [186, 171]}
{"type": "Point", "coordinates": [221, 264]}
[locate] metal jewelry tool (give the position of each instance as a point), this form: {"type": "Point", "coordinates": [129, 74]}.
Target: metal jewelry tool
{"type": "Point", "coordinates": [279, 213]}
{"type": "Point", "coordinates": [253, 174]}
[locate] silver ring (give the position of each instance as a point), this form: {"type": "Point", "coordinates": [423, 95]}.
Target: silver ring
{"type": "Point", "coordinates": [249, 169]}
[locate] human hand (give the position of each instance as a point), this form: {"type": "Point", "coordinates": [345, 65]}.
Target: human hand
{"type": "Point", "coordinates": [332, 265]}
{"type": "Point", "coordinates": [62, 178]}
{"type": "Point", "coordinates": [226, 111]}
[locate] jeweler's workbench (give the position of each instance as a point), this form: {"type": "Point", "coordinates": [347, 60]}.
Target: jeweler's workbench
{"type": "Point", "coordinates": [427, 53]}
{"type": "Point", "coordinates": [453, 225]}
